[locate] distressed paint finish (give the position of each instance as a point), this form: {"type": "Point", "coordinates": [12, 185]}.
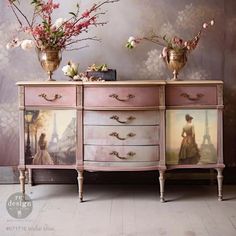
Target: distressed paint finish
{"type": "Point", "coordinates": [103, 145]}
{"type": "Point", "coordinates": [105, 153]}
{"type": "Point", "coordinates": [177, 95]}
{"type": "Point", "coordinates": [139, 96]}
{"type": "Point", "coordinates": [67, 93]}
{"type": "Point", "coordinates": [121, 118]}
{"type": "Point", "coordinates": [132, 135]}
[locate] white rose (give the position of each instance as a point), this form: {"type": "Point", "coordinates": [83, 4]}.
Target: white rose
{"type": "Point", "coordinates": [27, 44]}
{"type": "Point", "coordinates": [133, 43]}
{"type": "Point", "coordinates": [59, 22]}
{"type": "Point", "coordinates": [131, 39]}
{"type": "Point", "coordinates": [66, 69]}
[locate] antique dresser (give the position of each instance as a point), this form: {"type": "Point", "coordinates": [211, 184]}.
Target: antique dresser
{"type": "Point", "coordinates": [121, 126]}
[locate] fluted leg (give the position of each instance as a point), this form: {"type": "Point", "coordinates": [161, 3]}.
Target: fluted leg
{"type": "Point", "coordinates": [29, 176]}
{"type": "Point", "coordinates": [220, 183]}
{"type": "Point", "coordinates": [80, 183]}
{"type": "Point", "coordinates": [22, 182]}
{"type": "Point", "coordinates": [162, 184]}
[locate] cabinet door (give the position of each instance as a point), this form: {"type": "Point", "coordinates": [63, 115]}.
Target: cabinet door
{"type": "Point", "coordinates": [50, 137]}
{"type": "Point", "coordinates": [191, 137]}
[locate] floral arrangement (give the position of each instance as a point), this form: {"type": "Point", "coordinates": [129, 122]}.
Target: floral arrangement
{"type": "Point", "coordinates": [94, 67]}
{"type": "Point", "coordinates": [72, 71]}
{"type": "Point", "coordinates": [59, 34]}
{"type": "Point", "coordinates": [176, 43]}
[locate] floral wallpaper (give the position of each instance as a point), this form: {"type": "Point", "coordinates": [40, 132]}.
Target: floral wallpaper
{"type": "Point", "coordinates": [214, 58]}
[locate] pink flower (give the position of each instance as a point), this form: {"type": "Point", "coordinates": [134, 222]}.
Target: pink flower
{"type": "Point", "coordinates": [164, 52]}
{"type": "Point", "coordinates": [86, 14]}
{"type": "Point", "coordinates": [49, 6]}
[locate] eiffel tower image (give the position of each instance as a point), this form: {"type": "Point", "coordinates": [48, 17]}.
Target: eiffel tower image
{"type": "Point", "coordinates": [54, 138]}
{"type": "Point", "coordinates": [207, 150]}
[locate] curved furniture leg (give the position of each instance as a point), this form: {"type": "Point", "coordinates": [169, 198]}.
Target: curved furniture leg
{"type": "Point", "coordinates": [29, 174]}
{"type": "Point", "coordinates": [162, 184]}
{"type": "Point", "coordinates": [220, 183]}
{"type": "Point", "coordinates": [80, 184]}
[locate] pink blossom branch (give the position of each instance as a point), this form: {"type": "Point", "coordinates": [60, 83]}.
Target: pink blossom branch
{"type": "Point", "coordinates": [73, 49]}
{"type": "Point", "coordinates": [95, 7]}
{"type": "Point", "coordinates": [79, 40]}
{"type": "Point", "coordinates": [154, 39]}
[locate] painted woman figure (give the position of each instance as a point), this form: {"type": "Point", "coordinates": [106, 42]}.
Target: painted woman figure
{"type": "Point", "coordinates": [189, 152]}
{"type": "Point", "coordinates": [42, 157]}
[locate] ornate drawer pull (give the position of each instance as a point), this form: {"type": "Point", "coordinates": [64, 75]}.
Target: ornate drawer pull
{"type": "Point", "coordinates": [117, 118]}
{"type": "Point", "coordinates": [56, 96]}
{"type": "Point", "coordinates": [115, 134]}
{"type": "Point", "coordinates": [129, 155]}
{"type": "Point", "coordinates": [189, 97]}
{"type": "Point", "coordinates": [129, 96]}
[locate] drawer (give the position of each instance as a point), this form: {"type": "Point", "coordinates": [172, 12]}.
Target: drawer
{"type": "Point", "coordinates": [121, 135]}
{"type": "Point", "coordinates": [57, 96]}
{"type": "Point", "coordinates": [121, 117]}
{"type": "Point", "coordinates": [191, 95]}
{"type": "Point", "coordinates": [121, 153]}
{"type": "Point", "coordinates": [121, 96]}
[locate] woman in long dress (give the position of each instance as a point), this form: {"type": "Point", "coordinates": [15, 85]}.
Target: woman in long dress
{"type": "Point", "coordinates": [42, 157]}
{"type": "Point", "coordinates": [189, 152]}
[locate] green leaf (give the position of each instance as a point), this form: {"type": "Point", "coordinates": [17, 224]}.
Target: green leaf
{"type": "Point", "coordinates": [72, 13]}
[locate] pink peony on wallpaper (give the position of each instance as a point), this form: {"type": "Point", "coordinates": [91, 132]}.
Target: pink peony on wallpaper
{"type": "Point", "coordinates": [214, 58]}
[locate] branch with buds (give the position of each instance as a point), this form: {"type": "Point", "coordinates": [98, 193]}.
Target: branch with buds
{"type": "Point", "coordinates": [63, 32]}
{"type": "Point", "coordinates": [175, 43]}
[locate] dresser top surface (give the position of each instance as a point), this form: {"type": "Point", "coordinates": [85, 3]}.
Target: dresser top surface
{"type": "Point", "coordinates": [120, 82]}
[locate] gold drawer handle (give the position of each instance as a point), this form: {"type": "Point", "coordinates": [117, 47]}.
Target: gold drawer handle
{"type": "Point", "coordinates": [129, 155]}
{"type": "Point", "coordinates": [115, 134]}
{"type": "Point", "coordinates": [189, 97]}
{"type": "Point", "coordinates": [117, 118]}
{"type": "Point", "coordinates": [129, 96]}
{"type": "Point", "coordinates": [56, 96]}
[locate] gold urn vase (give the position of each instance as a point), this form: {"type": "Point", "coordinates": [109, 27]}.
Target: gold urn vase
{"type": "Point", "coordinates": [176, 60]}
{"type": "Point", "coordinates": [50, 60]}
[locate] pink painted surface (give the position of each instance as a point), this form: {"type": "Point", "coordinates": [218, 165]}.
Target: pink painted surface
{"type": "Point", "coordinates": [191, 95]}
{"type": "Point", "coordinates": [117, 117]}
{"type": "Point", "coordinates": [101, 135]}
{"type": "Point", "coordinates": [100, 96]}
{"type": "Point", "coordinates": [67, 93]}
{"type": "Point", "coordinates": [106, 153]}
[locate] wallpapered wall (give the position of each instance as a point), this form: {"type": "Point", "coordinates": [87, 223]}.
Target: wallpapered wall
{"type": "Point", "coordinates": [214, 58]}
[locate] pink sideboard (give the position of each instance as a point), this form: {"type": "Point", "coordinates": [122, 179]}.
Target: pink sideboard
{"type": "Point", "coordinates": [121, 126]}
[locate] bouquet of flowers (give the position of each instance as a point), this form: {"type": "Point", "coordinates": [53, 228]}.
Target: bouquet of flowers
{"type": "Point", "coordinates": [177, 44]}
{"type": "Point", "coordinates": [59, 34]}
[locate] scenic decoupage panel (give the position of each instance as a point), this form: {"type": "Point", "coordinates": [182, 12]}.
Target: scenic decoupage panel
{"type": "Point", "coordinates": [50, 137]}
{"type": "Point", "coordinates": [191, 137]}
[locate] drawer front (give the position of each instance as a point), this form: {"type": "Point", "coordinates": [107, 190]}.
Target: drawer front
{"type": "Point", "coordinates": [121, 135]}
{"type": "Point", "coordinates": [50, 96]}
{"type": "Point", "coordinates": [121, 96]}
{"type": "Point", "coordinates": [191, 95]}
{"type": "Point", "coordinates": [121, 153]}
{"type": "Point", "coordinates": [121, 117]}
